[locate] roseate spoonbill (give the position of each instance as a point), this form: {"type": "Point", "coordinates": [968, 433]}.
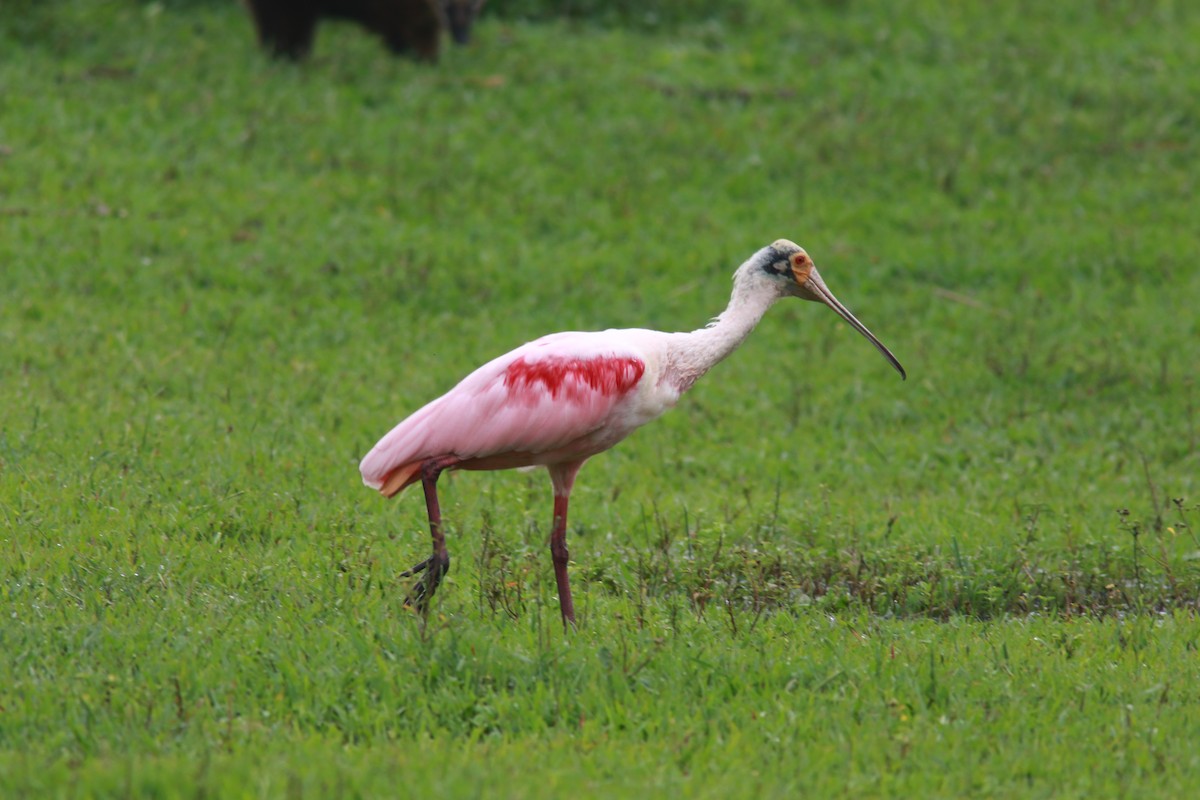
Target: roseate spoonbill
{"type": "Point", "coordinates": [559, 400]}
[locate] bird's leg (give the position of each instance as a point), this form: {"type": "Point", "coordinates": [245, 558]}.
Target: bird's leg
{"type": "Point", "coordinates": [438, 564]}
{"type": "Point", "coordinates": [563, 477]}
{"type": "Point", "coordinates": [558, 549]}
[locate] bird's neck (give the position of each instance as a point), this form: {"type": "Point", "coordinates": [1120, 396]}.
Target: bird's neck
{"type": "Point", "coordinates": [695, 353]}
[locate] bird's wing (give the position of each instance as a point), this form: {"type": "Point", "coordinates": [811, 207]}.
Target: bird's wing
{"type": "Point", "coordinates": [538, 398]}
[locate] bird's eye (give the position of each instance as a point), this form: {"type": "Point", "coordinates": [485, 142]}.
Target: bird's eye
{"type": "Point", "coordinates": [799, 260]}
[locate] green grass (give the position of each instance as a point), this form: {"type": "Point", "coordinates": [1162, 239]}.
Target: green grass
{"type": "Point", "coordinates": [221, 279]}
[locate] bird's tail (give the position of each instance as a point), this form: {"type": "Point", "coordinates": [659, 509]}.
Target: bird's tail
{"type": "Point", "coordinates": [396, 479]}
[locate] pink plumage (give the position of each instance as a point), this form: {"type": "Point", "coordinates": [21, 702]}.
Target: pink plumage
{"type": "Point", "coordinates": [561, 399]}
{"type": "Point", "coordinates": [557, 399]}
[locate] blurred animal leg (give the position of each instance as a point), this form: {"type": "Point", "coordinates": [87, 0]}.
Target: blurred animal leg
{"type": "Point", "coordinates": [285, 30]}
{"type": "Point", "coordinates": [412, 27]}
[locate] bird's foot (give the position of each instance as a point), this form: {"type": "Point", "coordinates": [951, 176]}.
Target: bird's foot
{"type": "Point", "coordinates": [435, 568]}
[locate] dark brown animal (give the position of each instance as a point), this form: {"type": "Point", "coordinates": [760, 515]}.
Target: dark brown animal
{"type": "Point", "coordinates": [286, 28]}
{"type": "Point", "coordinates": [459, 16]}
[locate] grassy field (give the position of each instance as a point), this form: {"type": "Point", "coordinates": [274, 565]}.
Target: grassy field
{"type": "Point", "coordinates": [222, 279]}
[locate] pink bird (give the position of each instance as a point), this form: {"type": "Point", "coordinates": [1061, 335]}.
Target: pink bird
{"type": "Point", "coordinates": [559, 400]}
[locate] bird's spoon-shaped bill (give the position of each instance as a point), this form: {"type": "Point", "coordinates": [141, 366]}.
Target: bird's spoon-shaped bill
{"type": "Point", "coordinates": [817, 290]}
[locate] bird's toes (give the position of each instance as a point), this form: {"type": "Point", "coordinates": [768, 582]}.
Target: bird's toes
{"type": "Point", "coordinates": [416, 568]}
{"type": "Point", "coordinates": [418, 599]}
{"type": "Point", "coordinates": [423, 591]}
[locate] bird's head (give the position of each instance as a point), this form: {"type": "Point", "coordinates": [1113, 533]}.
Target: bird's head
{"type": "Point", "coordinates": [794, 272]}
